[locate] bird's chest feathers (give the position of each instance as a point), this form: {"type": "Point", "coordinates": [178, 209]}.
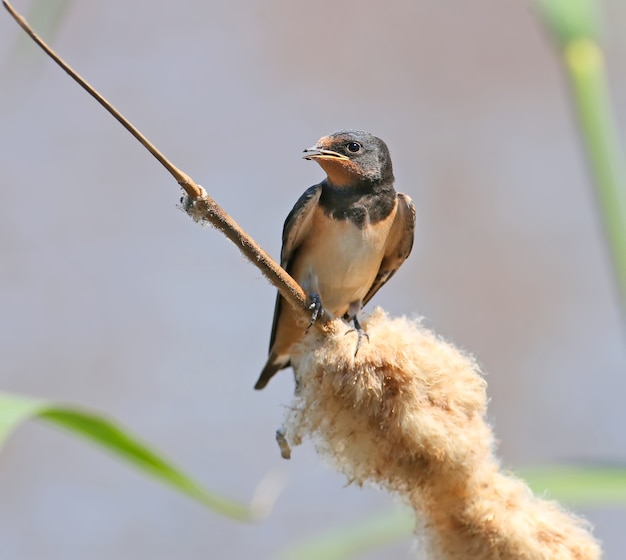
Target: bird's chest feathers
{"type": "Point", "coordinates": [341, 258]}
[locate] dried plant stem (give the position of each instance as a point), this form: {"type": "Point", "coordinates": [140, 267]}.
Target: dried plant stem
{"type": "Point", "coordinates": [186, 182]}
{"type": "Point", "coordinates": [205, 208]}
{"type": "Point", "coordinates": [201, 206]}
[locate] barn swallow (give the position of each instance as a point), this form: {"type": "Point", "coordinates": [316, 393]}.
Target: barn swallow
{"type": "Point", "coordinates": [343, 239]}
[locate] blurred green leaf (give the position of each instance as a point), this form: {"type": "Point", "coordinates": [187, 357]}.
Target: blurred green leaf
{"type": "Point", "coordinates": [579, 486]}
{"type": "Point", "coordinates": [47, 17]}
{"type": "Point", "coordinates": [346, 542]}
{"type": "Point", "coordinates": [23, 62]}
{"type": "Point", "coordinates": [575, 25]}
{"type": "Point", "coordinates": [569, 20]}
{"type": "Point", "coordinates": [584, 63]}
{"type": "Point", "coordinates": [15, 410]}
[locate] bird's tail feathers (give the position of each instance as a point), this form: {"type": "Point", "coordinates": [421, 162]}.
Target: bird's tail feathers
{"type": "Point", "coordinates": [274, 364]}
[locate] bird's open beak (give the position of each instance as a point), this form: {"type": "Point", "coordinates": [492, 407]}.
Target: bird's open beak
{"type": "Point", "coordinates": [318, 153]}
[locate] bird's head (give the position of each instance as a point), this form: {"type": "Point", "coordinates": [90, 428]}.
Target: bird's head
{"type": "Point", "coordinates": [352, 157]}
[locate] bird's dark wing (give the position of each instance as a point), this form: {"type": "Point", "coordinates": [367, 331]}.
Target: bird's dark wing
{"type": "Point", "coordinates": [298, 222]}
{"type": "Point", "coordinates": [297, 225]}
{"type": "Point", "coordinates": [399, 244]}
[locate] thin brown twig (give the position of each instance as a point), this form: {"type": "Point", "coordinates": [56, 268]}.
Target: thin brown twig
{"type": "Point", "coordinates": [203, 205]}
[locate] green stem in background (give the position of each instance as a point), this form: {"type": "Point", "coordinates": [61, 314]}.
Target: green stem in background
{"type": "Point", "coordinates": [576, 26]}
{"type": "Point", "coordinates": [585, 66]}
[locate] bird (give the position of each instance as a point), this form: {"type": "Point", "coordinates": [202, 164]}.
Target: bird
{"type": "Point", "coordinates": [343, 240]}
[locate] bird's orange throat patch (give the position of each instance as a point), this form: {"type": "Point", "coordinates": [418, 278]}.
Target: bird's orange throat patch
{"type": "Point", "coordinates": [341, 173]}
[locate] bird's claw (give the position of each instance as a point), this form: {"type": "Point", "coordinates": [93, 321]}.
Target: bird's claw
{"type": "Point", "coordinates": [316, 309]}
{"type": "Point", "coordinates": [361, 334]}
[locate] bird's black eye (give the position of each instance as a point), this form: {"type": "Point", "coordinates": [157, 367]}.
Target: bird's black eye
{"type": "Point", "coordinates": [353, 147]}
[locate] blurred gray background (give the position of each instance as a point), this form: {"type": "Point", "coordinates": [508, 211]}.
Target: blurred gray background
{"type": "Point", "coordinates": [112, 298]}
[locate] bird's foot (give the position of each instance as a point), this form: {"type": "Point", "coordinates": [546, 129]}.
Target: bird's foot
{"type": "Point", "coordinates": [361, 334]}
{"type": "Point", "coordinates": [316, 309]}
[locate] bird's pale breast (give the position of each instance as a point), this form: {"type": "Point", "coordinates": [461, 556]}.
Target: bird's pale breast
{"type": "Point", "coordinates": [341, 260]}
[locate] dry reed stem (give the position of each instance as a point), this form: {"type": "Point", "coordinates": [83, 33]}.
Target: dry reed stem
{"type": "Point", "coordinates": [200, 206]}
